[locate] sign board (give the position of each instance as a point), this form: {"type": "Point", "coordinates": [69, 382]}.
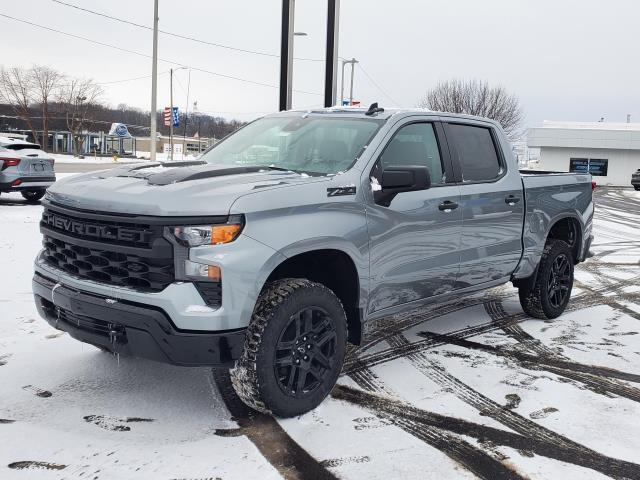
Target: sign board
{"type": "Point", "coordinates": [119, 130]}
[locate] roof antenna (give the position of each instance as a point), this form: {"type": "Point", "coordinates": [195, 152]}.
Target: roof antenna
{"type": "Point", "coordinates": [373, 109]}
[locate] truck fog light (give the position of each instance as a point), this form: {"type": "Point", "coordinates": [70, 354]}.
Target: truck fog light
{"type": "Point", "coordinates": [201, 270]}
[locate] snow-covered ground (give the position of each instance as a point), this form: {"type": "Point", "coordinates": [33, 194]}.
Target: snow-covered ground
{"type": "Point", "coordinates": [464, 390]}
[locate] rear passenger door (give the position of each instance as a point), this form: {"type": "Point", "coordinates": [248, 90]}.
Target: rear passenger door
{"type": "Point", "coordinates": [414, 238]}
{"type": "Point", "coordinates": [492, 204]}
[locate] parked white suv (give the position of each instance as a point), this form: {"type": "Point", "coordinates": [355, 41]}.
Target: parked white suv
{"type": "Point", "coordinates": [25, 168]}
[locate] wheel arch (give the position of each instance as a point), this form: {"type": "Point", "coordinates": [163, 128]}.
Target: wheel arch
{"type": "Point", "coordinates": [335, 269]}
{"type": "Point", "coordinates": [567, 228]}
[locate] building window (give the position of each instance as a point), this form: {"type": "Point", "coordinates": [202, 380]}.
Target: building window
{"type": "Point", "coordinates": [598, 167]}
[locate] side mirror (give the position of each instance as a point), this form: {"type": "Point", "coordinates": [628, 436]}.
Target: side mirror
{"type": "Point", "coordinates": [399, 179]}
{"type": "Point", "coordinates": [408, 178]}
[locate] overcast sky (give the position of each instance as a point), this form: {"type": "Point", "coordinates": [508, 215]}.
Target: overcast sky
{"type": "Point", "coordinates": [564, 59]}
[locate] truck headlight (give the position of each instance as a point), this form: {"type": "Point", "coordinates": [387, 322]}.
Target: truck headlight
{"type": "Point", "coordinates": [197, 235]}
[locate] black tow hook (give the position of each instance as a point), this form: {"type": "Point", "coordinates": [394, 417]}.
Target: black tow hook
{"type": "Point", "coordinates": [116, 333]}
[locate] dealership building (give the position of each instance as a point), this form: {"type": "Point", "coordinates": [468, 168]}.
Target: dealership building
{"type": "Point", "coordinates": [609, 151]}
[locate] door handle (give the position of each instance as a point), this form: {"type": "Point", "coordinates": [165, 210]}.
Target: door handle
{"type": "Point", "coordinates": [511, 200]}
{"type": "Point", "coordinates": [447, 206]}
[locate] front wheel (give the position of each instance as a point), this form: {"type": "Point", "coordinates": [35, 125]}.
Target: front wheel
{"type": "Point", "coordinates": [33, 196]}
{"type": "Point", "coordinates": [294, 348]}
{"type": "Point", "coordinates": [637, 187]}
{"type": "Point", "coordinates": [551, 291]}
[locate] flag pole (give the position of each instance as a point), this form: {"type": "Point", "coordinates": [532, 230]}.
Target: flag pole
{"type": "Point", "coordinates": [171, 117]}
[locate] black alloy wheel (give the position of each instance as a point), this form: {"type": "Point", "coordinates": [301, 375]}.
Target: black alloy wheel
{"type": "Point", "coordinates": [294, 348]}
{"type": "Point", "coordinates": [304, 355]}
{"type": "Point", "coordinates": [559, 283]}
{"type": "Point", "coordinates": [550, 291]}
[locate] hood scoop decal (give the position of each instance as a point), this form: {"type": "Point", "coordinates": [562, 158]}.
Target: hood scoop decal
{"type": "Point", "coordinates": [168, 174]}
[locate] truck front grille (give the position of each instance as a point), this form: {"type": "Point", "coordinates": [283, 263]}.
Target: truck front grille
{"type": "Point", "coordinates": [133, 256]}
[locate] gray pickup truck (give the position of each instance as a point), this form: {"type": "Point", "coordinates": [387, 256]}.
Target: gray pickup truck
{"type": "Point", "coordinates": [280, 244]}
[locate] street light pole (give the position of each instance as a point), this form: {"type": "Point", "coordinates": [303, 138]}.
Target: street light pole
{"type": "Point", "coordinates": [353, 62]}
{"type": "Point", "coordinates": [154, 85]}
{"type": "Point", "coordinates": [353, 67]}
{"type": "Point", "coordinates": [171, 114]}
{"type": "Point", "coordinates": [344, 63]}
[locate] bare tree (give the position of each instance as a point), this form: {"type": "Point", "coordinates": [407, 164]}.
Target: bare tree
{"type": "Point", "coordinates": [18, 91]}
{"type": "Point", "coordinates": [46, 82]}
{"type": "Point", "coordinates": [79, 98]}
{"type": "Point", "coordinates": [475, 97]}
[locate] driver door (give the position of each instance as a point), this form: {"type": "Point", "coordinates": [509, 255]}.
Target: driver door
{"type": "Point", "coordinates": [415, 240]}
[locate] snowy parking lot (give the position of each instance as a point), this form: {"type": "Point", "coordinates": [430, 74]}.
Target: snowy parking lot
{"type": "Point", "coordinates": [470, 389]}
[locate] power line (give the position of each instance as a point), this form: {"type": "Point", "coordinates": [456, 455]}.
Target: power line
{"type": "Point", "coordinates": [378, 86]}
{"type": "Point", "coordinates": [130, 79]}
{"type": "Point", "coordinates": [140, 54]}
{"type": "Point", "coordinates": [184, 37]}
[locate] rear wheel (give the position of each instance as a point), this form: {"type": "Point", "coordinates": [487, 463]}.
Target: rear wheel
{"type": "Point", "coordinates": [294, 348]}
{"type": "Point", "coordinates": [550, 294]}
{"type": "Point", "coordinates": [33, 196]}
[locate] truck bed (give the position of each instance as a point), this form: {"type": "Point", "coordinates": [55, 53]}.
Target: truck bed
{"type": "Point", "coordinates": [549, 196]}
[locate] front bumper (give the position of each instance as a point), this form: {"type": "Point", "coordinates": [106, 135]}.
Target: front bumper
{"type": "Point", "coordinates": [131, 328]}
{"type": "Point", "coordinates": [28, 183]}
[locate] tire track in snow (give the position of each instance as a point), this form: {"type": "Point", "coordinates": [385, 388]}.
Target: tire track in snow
{"type": "Point", "coordinates": [407, 414]}
{"type": "Point", "coordinates": [436, 373]}
{"type": "Point", "coordinates": [590, 376]}
{"type": "Point", "coordinates": [386, 355]}
{"type": "Point", "coordinates": [275, 444]}
{"type": "Point", "coordinates": [459, 450]}
{"type": "Point", "coordinates": [601, 380]}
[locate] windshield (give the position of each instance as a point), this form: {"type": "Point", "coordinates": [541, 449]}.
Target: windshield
{"type": "Point", "coordinates": [317, 146]}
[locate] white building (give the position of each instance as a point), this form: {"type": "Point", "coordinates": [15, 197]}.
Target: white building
{"type": "Point", "coordinates": [609, 151]}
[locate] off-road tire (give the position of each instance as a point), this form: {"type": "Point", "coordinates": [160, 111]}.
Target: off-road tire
{"type": "Point", "coordinates": [637, 187]}
{"type": "Point", "coordinates": [253, 377]}
{"type": "Point", "coordinates": [33, 196]}
{"type": "Point", "coordinates": [535, 300]}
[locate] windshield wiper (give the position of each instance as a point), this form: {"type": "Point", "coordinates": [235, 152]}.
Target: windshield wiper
{"type": "Point", "coordinates": [280, 169]}
{"type": "Point", "coordinates": [283, 169]}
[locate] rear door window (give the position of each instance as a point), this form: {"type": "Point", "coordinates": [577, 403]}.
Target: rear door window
{"type": "Point", "coordinates": [23, 146]}
{"type": "Point", "coordinates": [476, 152]}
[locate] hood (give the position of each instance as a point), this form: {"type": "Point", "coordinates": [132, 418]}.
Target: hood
{"type": "Point", "coordinates": [175, 189]}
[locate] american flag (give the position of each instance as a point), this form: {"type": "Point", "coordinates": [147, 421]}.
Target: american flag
{"type": "Point", "coordinates": [167, 117]}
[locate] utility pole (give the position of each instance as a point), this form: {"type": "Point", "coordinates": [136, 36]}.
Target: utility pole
{"type": "Point", "coordinates": [331, 53]}
{"type": "Point", "coordinates": [286, 54]}
{"type": "Point", "coordinates": [154, 85]}
{"type": "Point", "coordinates": [171, 114]}
{"type": "Point", "coordinates": [353, 62]}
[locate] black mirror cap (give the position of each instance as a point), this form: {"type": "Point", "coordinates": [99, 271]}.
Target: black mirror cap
{"type": "Point", "coordinates": [406, 178]}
